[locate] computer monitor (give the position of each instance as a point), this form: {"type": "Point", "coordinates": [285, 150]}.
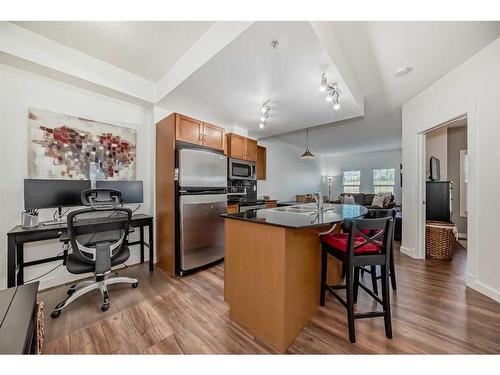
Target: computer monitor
{"type": "Point", "coordinates": [132, 191]}
{"type": "Point", "coordinates": [49, 193]}
{"type": "Point", "coordinates": [435, 174]}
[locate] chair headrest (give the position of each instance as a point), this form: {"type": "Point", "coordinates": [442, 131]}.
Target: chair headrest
{"type": "Point", "coordinates": [101, 199]}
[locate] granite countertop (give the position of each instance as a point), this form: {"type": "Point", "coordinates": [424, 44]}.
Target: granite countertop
{"type": "Point", "coordinates": [300, 216]}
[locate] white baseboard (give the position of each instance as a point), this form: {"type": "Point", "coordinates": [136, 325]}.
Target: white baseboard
{"type": "Point", "coordinates": [410, 252]}
{"type": "Point", "coordinates": [462, 236]}
{"type": "Point", "coordinates": [478, 286]}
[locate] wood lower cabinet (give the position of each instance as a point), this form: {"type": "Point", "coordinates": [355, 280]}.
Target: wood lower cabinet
{"type": "Point", "coordinates": [188, 130]}
{"type": "Point", "coordinates": [271, 204]}
{"type": "Point", "coordinates": [240, 147]}
{"type": "Point", "coordinates": [197, 132]}
{"type": "Point", "coordinates": [233, 208]}
{"type": "Point", "coordinates": [261, 162]}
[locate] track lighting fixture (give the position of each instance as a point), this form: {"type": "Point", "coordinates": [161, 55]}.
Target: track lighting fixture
{"type": "Point", "coordinates": [265, 114]}
{"type": "Point", "coordinates": [333, 92]}
{"type": "Point", "coordinates": [323, 85]}
{"type": "Point", "coordinates": [265, 107]}
{"type": "Point", "coordinates": [329, 98]}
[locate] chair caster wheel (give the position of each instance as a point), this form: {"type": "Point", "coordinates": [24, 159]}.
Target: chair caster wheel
{"type": "Point", "coordinates": [55, 314]}
{"type": "Point", "coordinates": [105, 306]}
{"type": "Point", "coordinates": [71, 291]}
{"type": "Point", "coordinates": [135, 285]}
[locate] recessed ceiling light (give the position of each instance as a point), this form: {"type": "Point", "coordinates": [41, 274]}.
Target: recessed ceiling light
{"type": "Point", "coordinates": [404, 70]}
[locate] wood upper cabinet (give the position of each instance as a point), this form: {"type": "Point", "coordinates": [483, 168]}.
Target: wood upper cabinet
{"type": "Point", "coordinates": [188, 130]}
{"type": "Point", "coordinates": [251, 151]}
{"type": "Point", "coordinates": [236, 146]}
{"type": "Point", "coordinates": [213, 136]}
{"type": "Point", "coordinates": [240, 147]}
{"type": "Point", "coordinates": [261, 162]}
{"type": "Point", "coordinates": [200, 133]}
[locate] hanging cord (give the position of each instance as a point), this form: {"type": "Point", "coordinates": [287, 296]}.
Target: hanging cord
{"type": "Point", "coordinates": [62, 215]}
{"type": "Point", "coordinates": [46, 273]}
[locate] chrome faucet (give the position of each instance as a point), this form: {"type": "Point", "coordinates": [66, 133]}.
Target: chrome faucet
{"type": "Point", "coordinates": [318, 199]}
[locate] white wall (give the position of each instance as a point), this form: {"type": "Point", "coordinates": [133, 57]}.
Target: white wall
{"type": "Point", "coordinates": [472, 88]}
{"type": "Point", "coordinates": [437, 146]}
{"type": "Point", "coordinates": [287, 174]}
{"type": "Point", "coordinates": [20, 90]}
{"type": "Point", "coordinates": [364, 162]}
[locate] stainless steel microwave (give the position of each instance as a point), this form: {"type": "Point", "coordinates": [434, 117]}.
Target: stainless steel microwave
{"type": "Point", "coordinates": [242, 169]}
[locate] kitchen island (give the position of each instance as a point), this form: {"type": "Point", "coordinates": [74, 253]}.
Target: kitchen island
{"type": "Point", "coordinates": [272, 267]}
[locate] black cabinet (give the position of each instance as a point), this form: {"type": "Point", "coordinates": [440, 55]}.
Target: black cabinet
{"type": "Point", "coordinates": [438, 200]}
{"type": "Point", "coordinates": [18, 329]}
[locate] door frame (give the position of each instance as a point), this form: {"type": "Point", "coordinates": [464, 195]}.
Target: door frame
{"type": "Point", "coordinates": [471, 116]}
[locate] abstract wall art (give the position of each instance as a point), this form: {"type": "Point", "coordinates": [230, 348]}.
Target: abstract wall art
{"type": "Point", "coordinates": [68, 147]}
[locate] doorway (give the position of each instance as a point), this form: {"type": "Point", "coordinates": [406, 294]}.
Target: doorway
{"type": "Point", "coordinates": [445, 177]}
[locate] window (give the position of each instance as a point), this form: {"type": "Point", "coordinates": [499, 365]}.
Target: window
{"type": "Point", "coordinates": [383, 180]}
{"type": "Point", "coordinates": [351, 181]}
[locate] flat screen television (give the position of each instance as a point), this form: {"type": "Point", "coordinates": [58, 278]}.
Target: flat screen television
{"type": "Point", "coordinates": [435, 174]}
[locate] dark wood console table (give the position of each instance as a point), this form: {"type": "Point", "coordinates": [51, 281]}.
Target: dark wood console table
{"type": "Point", "coordinates": [18, 236]}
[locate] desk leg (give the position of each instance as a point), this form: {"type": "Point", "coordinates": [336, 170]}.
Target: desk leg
{"type": "Point", "coordinates": [141, 239]}
{"type": "Point", "coordinates": [151, 247]}
{"type": "Point", "coordinates": [20, 264]}
{"type": "Point", "coordinates": [11, 262]}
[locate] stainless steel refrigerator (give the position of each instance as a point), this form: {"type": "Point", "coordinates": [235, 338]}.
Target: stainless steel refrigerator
{"type": "Point", "coordinates": [201, 198]}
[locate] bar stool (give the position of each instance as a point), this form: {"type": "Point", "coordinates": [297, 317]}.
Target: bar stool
{"type": "Point", "coordinates": [355, 249]}
{"type": "Point", "coordinates": [374, 213]}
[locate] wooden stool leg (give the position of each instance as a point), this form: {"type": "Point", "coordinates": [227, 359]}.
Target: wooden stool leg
{"type": "Point", "coordinates": [387, 302]}
{"type": "Point", "coordinates": [324, 270]}
{"type": "Point", "coordinates": [343, 269]}
{"type": "Point", "coordinates": [350, 304]}
{"type": "Point", "coordinates": [356, 283]}
{"type": "Point", "coordinates": [374, 279]}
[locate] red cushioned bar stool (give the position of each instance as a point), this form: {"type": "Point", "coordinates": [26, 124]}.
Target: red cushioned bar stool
{"type": "Point", "coordinates": [355, 249]}
{"type": "Point", "coordinates": [379, 213]}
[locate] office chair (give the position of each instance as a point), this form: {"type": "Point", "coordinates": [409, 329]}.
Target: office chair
{"type": "Point", "coordinates": [98, 238]}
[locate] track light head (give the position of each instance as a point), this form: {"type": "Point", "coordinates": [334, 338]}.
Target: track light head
{"type": "Point", "coordinates": [265, 107]}
{"type": "Point", "coordinates": [324, 84]}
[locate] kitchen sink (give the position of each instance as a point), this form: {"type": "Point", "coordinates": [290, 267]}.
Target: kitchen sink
{"type": "Point", "coordinates": [305, 209]}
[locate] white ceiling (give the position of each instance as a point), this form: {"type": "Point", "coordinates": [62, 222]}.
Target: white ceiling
{"type": "Point", "coordinates": [231, 87]}
{"type": "Point", "coordinates": [375, 50]}
{"type": "Point", "coordinates": [146, 49]}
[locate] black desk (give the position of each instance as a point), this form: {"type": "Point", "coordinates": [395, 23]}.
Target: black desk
{"type": "Point", "coordinates": [18, 321]}
{"type": "Point", "coordinates": [18, 236]}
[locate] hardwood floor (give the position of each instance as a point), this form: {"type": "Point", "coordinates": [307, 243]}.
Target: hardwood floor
{"type": "Point", "coordinates": [433, 312]}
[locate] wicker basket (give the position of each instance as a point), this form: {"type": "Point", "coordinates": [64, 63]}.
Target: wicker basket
{"type": "Point", "coordinates": [439, 240]}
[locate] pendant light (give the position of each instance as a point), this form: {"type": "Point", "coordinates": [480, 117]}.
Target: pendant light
{"type": "Point", "coordinates": [307, 154]}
